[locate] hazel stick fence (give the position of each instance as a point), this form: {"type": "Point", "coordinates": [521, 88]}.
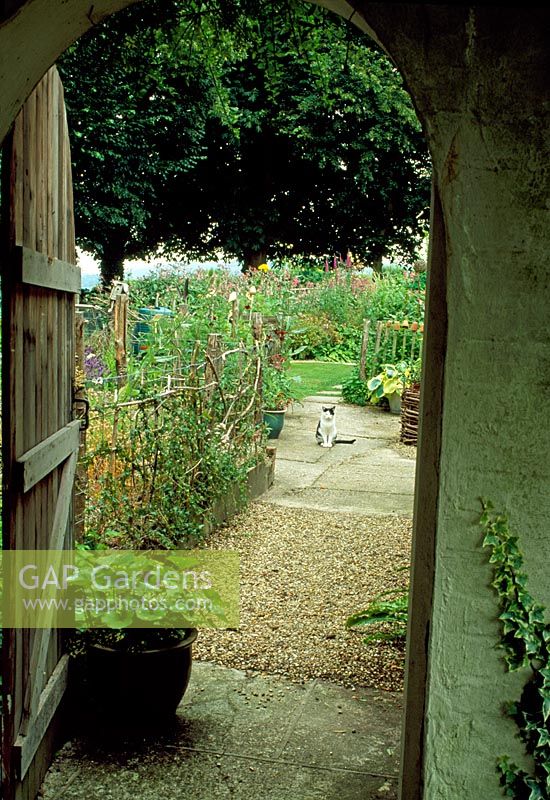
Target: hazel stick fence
{"type": "Point", "coordinates": [386, 342]}
{"type": "Point", "coordinates": [220, 388]}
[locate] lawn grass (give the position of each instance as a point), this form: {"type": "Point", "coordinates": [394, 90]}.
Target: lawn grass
{"type": "Point", "coordinates": [319, 376]}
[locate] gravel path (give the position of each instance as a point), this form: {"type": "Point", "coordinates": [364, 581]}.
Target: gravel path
{"type": "Point", "coordinates": [302, 573]}
{"type": "Point", "coordinates": [405, 450]}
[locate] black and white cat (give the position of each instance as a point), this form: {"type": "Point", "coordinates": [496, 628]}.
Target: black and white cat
{"type": "Point", "coordinates": [326, 434]}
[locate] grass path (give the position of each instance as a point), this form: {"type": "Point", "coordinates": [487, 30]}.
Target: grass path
{"type": "Point", "coordinates": [318, 377]}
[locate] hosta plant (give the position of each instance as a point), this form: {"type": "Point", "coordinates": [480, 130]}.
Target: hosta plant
{"type": "Point", "coordinates": [391, 380]}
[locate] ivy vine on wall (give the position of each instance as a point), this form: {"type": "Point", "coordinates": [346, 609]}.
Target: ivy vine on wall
{"type": "Point", "coordinates": [525, 641]}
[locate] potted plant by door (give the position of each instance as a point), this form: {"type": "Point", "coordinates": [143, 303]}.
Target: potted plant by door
{"type": "Point", "coordinates": [141, 672]}
{"type": "Point", "coordinates": [278, 392]}
{"type": "Point", "coordinates": [136, 662]}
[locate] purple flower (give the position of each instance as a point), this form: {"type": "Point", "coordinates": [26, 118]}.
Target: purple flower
{"type": "Point", "coordinates": [94, 366]}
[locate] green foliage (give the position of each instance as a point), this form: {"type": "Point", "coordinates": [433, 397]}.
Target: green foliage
{"type": "Point", "coordinates": [137, 102]}
{"type": "Point", "coordinates": [161, 449]}
{"type": "Point", "coordinates": [324, 320]}
{"type": "Point", "coordinates": [329, 315]}
{"type": "Point", "coordinates": [255, 128]}
{"type": "Point", "coordinates": [415, 372]}
{"type": "Point", "coordinates": [354, 390]}
{"type": "Point", "coordinates": [278, 388]}
{"type": "Point", "coordinates": [525, 641]}
{"type": "Point", "coordinates": [168, 475]}
{"type": "Point", "coordinates": [388, 611]}
{"type": "Point", "coordinates": [392, 380]}
{"type": "Point", "coordinates": [317, 335]}
{"type": "Point", "coordinates": [398, 296]}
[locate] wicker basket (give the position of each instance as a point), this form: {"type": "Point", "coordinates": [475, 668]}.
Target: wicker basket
{"type": "Point", "coordinates": [410, 411]}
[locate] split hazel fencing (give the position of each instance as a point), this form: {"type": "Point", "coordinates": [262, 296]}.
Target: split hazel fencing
{"type": "Point", "coordinates": [387, 342]}
{"type": "Point", "coordinates": [166, 440]}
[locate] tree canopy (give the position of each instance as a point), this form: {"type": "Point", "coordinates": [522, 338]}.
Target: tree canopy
{"type": "Point", "coordinates": [137, 106]}
{"type": "Point", "coordinates": [254, 128]}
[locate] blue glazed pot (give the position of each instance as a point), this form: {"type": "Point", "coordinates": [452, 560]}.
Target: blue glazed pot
{"type": "Point", "coordinates": [274, 421]}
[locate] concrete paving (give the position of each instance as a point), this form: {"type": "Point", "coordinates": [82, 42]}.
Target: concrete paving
{"type": "Point", "coordinates": [368, 477]}
{"type": "Point", "coordinates": [243, 737]}
{"type": "Point", "coordinates": [261, 737]}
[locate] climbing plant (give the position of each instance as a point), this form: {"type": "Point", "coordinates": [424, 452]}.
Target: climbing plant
{"type": "Point", "coordinates": [525, 641]}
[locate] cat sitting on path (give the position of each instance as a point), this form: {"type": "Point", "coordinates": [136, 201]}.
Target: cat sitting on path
{"type": "Point", "coordinates": [326, 434]}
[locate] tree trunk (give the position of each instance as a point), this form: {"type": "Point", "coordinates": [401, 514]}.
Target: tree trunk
{"type": "Point", "coordinates": [111, 269]}
{"type": "Point", "coordinates": [376, 263]}
{"type": "Point", "coordinates": [252, 260]}
{"type": "Point", "coordinates": [112, 263]}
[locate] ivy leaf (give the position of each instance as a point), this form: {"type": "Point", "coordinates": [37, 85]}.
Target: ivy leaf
{"type": "Point", "coordinates": [525, 637]}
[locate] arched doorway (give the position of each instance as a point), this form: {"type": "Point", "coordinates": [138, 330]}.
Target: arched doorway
{"type": "Point", "coordinates": [481, 99]}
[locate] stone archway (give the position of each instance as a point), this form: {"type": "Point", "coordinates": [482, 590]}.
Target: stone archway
{"type": "Point", "coordinates": [478, 77]}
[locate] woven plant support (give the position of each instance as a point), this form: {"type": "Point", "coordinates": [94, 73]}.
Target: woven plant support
{"type": "Point", "coordinates": [410, 411]}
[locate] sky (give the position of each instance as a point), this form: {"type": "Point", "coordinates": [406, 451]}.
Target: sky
{"type": "Point", "coordinates": [89, 267]}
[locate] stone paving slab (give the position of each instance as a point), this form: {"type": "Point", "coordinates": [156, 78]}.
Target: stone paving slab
{"type": "Point", "coordinates": [240, 736]}
{"type": "Point", "coordinates": [299, 474]}
{"type": "Point", "coordinates": [332, 500]}
{"type": "Point", "coordinates": [360, 421]}
{"type": "Point", "coordinates": [368, 477]}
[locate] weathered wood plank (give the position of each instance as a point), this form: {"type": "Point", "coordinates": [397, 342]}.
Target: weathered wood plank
{"type": "Point", "coordinates": [37, 674]}
{"type": "Point", "coordinates": [40, 460]}
{"type": "Point", "coordinates": [38, 318]}
{"type": "Point", "coordinates": [25, 747]}
{"type": "Point", "coordinates": [38, 269]}
{"type": "Point", "coordinates": [54, 170]}
{"type": "Point", "coordinates": [63, 505]}
{"type": "Point", "coordinates": [378, 336]}
{"type": "Point", "coordinates": [27, 230]}
{"type": "Point", "coordinates": [40, 167]}
{"type": "Point", "coordinates": [63, 157]}
{"type": "Point", "coordinates": [16, 170]}
{"type": "Point", "coordinates": [51, 154]}
{"type": "Point", "coordinates": [364, 347]}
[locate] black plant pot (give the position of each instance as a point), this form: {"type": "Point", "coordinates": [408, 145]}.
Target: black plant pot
{"type": "Point", "coordinates": [146, 685]}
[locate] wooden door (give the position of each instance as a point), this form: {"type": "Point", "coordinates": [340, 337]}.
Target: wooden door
{"type": "Point", "coordinates": [40, 437]}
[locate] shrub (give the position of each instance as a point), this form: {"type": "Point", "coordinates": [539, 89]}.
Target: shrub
{"type": "Point", "coordinates": [164, 447]}
{"type": "Point", "coordinates": [316, 335]}
{"type": "Point", "coordinates": [388, 612]}
{"type": "Point", "coordinates": [354, 390]}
